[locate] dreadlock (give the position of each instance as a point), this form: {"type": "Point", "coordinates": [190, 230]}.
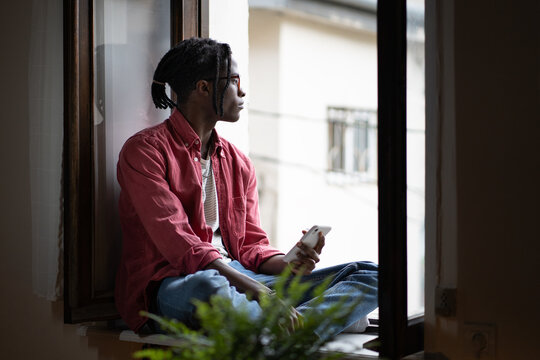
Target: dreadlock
{"type": "Point", "coordinates": [191, 60]}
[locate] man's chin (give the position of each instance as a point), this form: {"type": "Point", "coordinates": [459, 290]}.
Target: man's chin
{"type": "Point", "coordinates": [230, 120]}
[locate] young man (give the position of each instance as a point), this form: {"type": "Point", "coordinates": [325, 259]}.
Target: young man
{"type": "Point", "coordinates": [189, 205]}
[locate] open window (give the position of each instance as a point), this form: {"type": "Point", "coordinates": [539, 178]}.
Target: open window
{"type": "Point", "coordinates": [106, 43]}
{"type": "Point", "coordinates": [97, 42]}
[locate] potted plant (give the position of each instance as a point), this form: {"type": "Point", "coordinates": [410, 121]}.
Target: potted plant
{"type": "Point", "coordinates": [227, 333]}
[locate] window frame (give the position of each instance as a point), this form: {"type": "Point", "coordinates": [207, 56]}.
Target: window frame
{"type": "Point", "coordinates": [398, 334]}
{"type": "Point", "coordinates": [81, 303]}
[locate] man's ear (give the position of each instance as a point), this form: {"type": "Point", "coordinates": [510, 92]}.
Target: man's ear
{"type": "Point", "coordinates": [203, 88]}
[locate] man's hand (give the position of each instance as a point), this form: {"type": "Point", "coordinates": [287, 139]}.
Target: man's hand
{"type": "Point", "coordinates": [307, 257]}
{"type": "Point", "coordinates": [241, 282]}
{"type": "Point", "coordinates": [296, 319]}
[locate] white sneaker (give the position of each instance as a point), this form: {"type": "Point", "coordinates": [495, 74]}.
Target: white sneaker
{"type": "Point", "coordinates": [358, 327]}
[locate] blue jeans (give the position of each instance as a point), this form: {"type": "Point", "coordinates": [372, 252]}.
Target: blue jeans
{"type": "Point", "coordinates": [351, 280]}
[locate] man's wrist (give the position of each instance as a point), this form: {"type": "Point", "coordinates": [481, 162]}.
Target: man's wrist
{"type": "Point", "coordinates": [273, 265]}
{"type": "Point", "coordinates": [264, 291]}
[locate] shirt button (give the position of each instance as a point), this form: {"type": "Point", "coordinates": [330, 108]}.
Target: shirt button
{"type": "Point", "coordinates": [196, 158]}
{"type": "Point", "coordinates": [186, 144]}
{"type": "Point", "coordinates": [197, 142]}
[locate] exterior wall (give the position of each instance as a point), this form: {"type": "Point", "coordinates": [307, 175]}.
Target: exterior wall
{"type": "Point", "coordinates": [312, 72]}
{"type": "Point", "coordinates": [299, 67]}
{"type": "Point", "coordinates": [264, 105]}
{"type": "Point", "coordinates": [222, 28]}
{"type": "Point", "coordinates": [318, 63]}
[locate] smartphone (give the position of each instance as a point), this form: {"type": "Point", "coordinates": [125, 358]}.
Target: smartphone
{"type": "Point", "coordinates": [310, 238]}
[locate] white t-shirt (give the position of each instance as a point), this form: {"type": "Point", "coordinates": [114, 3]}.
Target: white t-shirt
{"type": "Point", "coordinates": [211, 211]}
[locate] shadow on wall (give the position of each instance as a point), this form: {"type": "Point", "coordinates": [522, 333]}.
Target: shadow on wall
{"type": "Point", "coordinates": [107, 346]}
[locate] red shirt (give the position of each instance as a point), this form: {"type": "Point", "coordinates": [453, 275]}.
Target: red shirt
{"type": "Point", "coordinates": [162, 214]}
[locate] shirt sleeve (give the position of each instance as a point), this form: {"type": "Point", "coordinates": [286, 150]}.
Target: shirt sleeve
{"type": "Point", "coordinates": [256, 248]}
{"type": "Point", "coordinates": [142, 174]}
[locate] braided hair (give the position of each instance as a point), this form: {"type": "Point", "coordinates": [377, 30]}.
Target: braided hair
{"type": "Point", "coordinates": [191, 60]}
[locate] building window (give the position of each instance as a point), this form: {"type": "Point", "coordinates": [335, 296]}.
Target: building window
{"type": "Point", "coordinates": [352, 140]}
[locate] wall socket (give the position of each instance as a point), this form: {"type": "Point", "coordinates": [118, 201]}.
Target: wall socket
{"type": "Point", "coordinates": [445, 301]}
{"type": "Point", "coordinates": [478, 341]}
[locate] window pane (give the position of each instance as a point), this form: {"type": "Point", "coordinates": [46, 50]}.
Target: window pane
{"type": "Point", "coordinates": [130, 37]}
{"type": "Point", "coordinates": [312, 113]}
{"type": "Point", "coordinates": [415, 156]}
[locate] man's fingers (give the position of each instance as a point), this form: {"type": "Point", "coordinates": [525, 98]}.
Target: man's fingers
{"type": "Point", "coordinates": [294, 321]}
{"type": "Point", "coordinates": [306, 261]}
{"type": "Point", "coordinates": [297, 320]}
{"type": "Point", "coordinates": [300, 319]}
{"type": "Point", "coordinates": [320, 243]}
{"type": "Point", "coordinates": [308, 251]}
{"type": "Point", "coordinates": [299, 267]}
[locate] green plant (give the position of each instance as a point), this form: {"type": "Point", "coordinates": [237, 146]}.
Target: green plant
{"type": "Point", "coordinates": [227, 333]}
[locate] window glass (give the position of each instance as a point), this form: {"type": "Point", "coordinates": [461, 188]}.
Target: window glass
{"type": "Point", "coordinates": [130, 37]}
{"type": "Point", "coordinates": [415, 156]}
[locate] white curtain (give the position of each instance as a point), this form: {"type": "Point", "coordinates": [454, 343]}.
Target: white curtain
{"type": "Point", "coordinates": [46, 137]}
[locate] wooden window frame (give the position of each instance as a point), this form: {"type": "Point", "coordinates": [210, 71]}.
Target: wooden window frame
{"type": "Point", "coordinates": [398, 335]}
{"type": "Point", "coordinates": [81, 303]}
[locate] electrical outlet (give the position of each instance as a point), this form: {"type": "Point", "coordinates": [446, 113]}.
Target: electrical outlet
{"type": "Point", "coordinates": [478, 341]}
{"type": "Point", "coordinates": [445, 301]}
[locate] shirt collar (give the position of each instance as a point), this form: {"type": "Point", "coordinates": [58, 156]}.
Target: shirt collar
{"type": "Point", "coordinates": [188, 136]}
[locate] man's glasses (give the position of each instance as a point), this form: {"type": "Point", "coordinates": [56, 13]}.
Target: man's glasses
{"type": "Point", "coordinates": [235, 80]}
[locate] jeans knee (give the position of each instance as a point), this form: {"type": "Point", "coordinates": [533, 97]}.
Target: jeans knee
{"type": "Point", "coordinates": [204, 284]}
{"type": "Point", "coordinates": [366, 265]}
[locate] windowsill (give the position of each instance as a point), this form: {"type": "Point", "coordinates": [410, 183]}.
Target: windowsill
{"type": "Point", "coordinates": [350, 344]}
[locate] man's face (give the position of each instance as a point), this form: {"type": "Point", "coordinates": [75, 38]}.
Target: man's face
{"type": "Point", "coordinates": [233, 101]}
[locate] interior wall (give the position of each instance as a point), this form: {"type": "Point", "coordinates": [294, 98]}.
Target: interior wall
{"type": "Point", "coordinates": [495, 93]}
{"type": "Point", "coordinates": [498, 167]}
{"type": "Point", "coordinates": [31, 327]}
